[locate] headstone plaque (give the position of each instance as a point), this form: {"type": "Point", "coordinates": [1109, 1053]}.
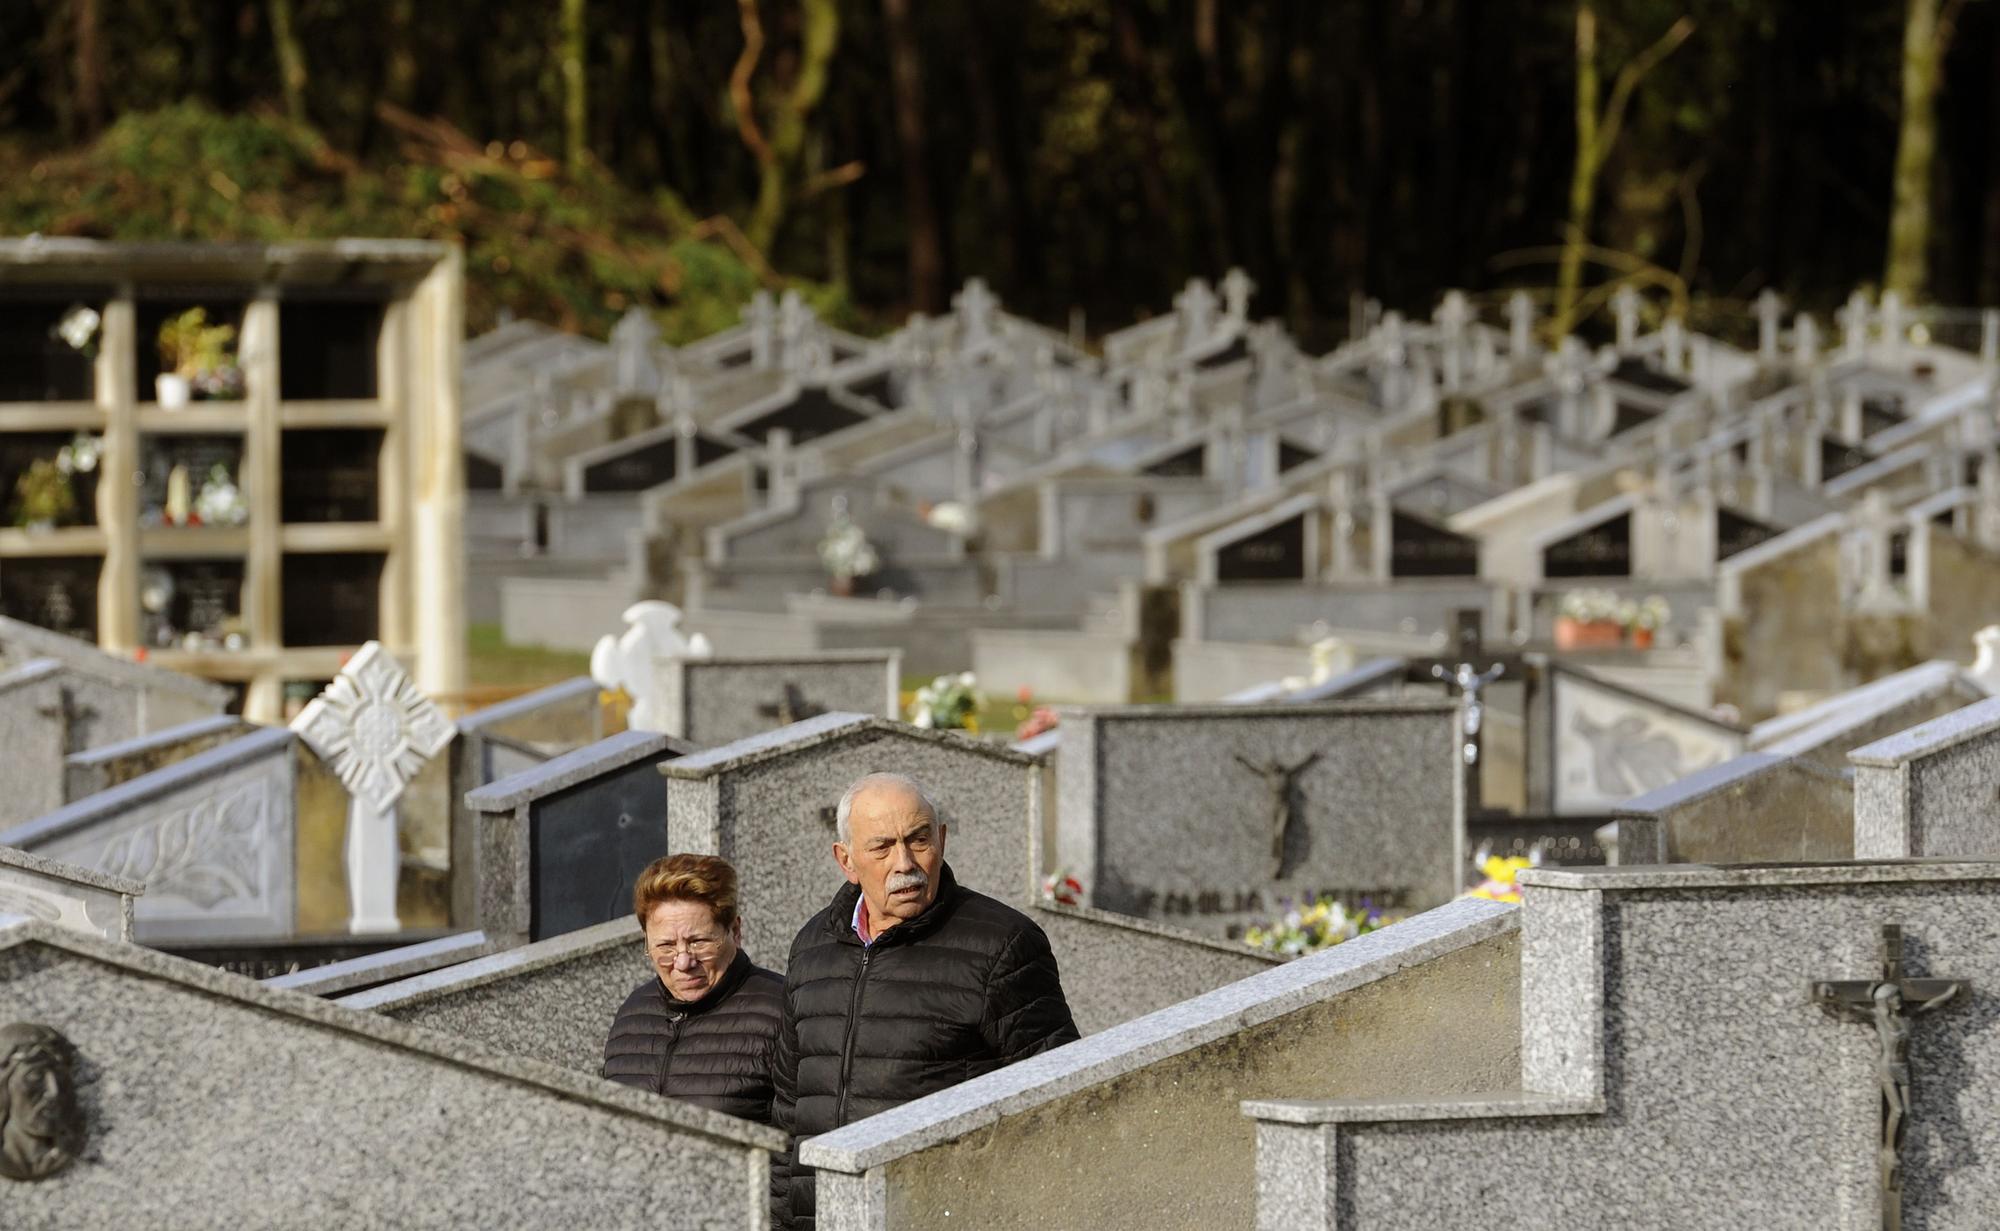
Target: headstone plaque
{"type": "Point", "coordinates": [1612, 744]}
{"type": "Point", "coordinates": [196, 456]}
{"type": "Point", "coordinates": [1837, 457]}
{"type": "Point", "coordinates": [586, 847]}
{"type": "Point", "coordinates": [1735, 533]}
{"type": "Point", "coordinates": [1603, 550]}
{"type": "Point", "coordinates": [807, 417]}
{"type": "Point", "coordinates": [1187, 464]}
{"type": "Point", "coordinates": [649, 465]}
{"type": "Point", "coordinates": [331, 475]}
{"type": "Point", "coordinates": [1419, 547]}
{"type": "Point", "coordinates": [1212, 817]}
{"type": "Point", "coordinates": [1275, 553]}
{"type": "Point", "coordinates": [332, 599]}
{"type": "Point", "coordinates": [56, 592]}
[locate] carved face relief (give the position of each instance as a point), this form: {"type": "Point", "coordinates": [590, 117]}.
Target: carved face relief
{"type": "Point", "coordinates": [41, 1126]}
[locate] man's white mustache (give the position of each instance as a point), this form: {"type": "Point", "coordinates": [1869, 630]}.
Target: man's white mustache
{"type": "Point", "coordinates": [899, 881]}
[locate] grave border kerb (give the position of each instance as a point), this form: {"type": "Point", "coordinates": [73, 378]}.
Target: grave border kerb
{"type": "Point", "coordinates": [1359, 706]}
{"type": "Point", "coordinates": [489, 968]}
{"type": "Point", "coordinates": [1681, 876]}
{"type": "Point", "coordinates": [265, 741]}
{"type": "Point", "coordinates": [75, 874]}
{"type": "Point", "coordinates": [573, 768]}
{"type": "Point", "coordinates": [826, 729]}
{"type": "Point", "coordinates": [17, 932]}
{"type": "Point", "coordinates": [953, 1113]}
{"type": "Point", "coordinates": [1929, 739]}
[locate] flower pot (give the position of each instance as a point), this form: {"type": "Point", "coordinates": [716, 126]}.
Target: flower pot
{"type": "Point", "coordinates": [41, 525]}
{"type": "Point", "coordinates": [1574, 634]}
{"type": "Point", "coordinates": [841, 587]}
{"type": "Point", "coordinates": [1642, 638]}
{"type": "Point", "coordinates": [171, 390]}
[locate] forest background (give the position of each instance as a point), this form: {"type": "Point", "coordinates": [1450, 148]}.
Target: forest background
{"type": "Point", "coordinates": [1084, 156]}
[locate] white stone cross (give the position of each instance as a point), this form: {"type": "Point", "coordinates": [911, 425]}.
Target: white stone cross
{"type": "Point", "coordinates": [762, 317]}
{"type": "Point", "coordinates": [795, 322]}
{"type": "Point", "coordinates": [1520, 324]}
{"type": "Point", "coordinates": [1854, 324]}
{"type": "Point", "coordinates": [1805, 339]}
{"type": "Point", "coordinates": [1673, 345]}
{"type": "Point", "coordinates": [1986, 662]}
{"type": "Point", "coordinates": [1625, 308]}
{"type": "Point", "coordinates": [1452, 317]}
{"type": "Point", "coordinates": [1989, 337]}
{"type": "Point", "coordinates": [1892, 322]}
{"type": "Point", "coordinates": [376, 730]}
{"type": "Point", "coordinates": [1770, 310]}
{"type": "Point", "coordinates": [1236, 291]}
{"type": "Point", "coordinates": [975, 306]}
{"type": "Point", "coordinates": [1196, 306]}
{"type": "Point", "coordinates": [632, 341]}
{"type": "Point", "coordinates": [629, 662]}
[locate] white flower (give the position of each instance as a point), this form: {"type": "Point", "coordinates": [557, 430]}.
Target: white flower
{"type": "Point", "coordinates": [78, 326]}
{"type": "Point", "coordinates": [923, 718]}
{"type": "Point", "coordinates": [951, 516]}
{"type": "Point", "coordinates": [967, 680]}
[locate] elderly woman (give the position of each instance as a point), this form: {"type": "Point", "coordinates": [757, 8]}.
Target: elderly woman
{"type": "Point", "coordinates": [704, 1026]}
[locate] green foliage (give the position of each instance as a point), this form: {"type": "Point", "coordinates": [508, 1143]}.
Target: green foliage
{"type": "Point", "coordinates": [574, 250]}
{"type": "Point", "coordinates": [43, 495]}
{"type": "Point", "coordinates": [191, 346]}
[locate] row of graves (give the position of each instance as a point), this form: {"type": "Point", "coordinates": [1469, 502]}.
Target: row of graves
{"type": "Point", "coordinates": [1201, 506]}
{"type": "Point", "coordinates": [1763, 1002]}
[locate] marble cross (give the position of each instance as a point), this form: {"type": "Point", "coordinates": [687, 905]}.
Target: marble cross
{"type": "Point", "coordinates": [1236, 291]}
{"type": "Point", "coordinates": [1888, 1003]}
{"type": "Point", "coordinates": [1625, 308]}
{"type": "Point", "coordinates": [975, 306]}
{"type": "Point", "coordinates": [1520, 325]}
{"type": "Point", "coordinates": [1770, 311]}
{"type": "Point", "coordinates": [1854, 324]}
{"type": "Point", "coordinates": [629, 662]}
{"type": "Point", "coordinates": [376, 730]}
{"type": "Point", "coordinates": [632, 340]}
{"type": "Point", "coordinates": [762, 317]}
{"type": "Point", "coordinates": [1196, 306]}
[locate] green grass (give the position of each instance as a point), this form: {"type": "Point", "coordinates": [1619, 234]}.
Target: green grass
{"type": "Point", "coordinates": [491, 663]}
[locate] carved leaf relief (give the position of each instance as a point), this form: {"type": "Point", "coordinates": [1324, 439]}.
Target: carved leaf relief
{"type": "Point", "coordinates": [210, 854]}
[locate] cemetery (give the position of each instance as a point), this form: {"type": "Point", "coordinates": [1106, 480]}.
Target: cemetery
{"type": "Point", "coordinates": [1506, 754]}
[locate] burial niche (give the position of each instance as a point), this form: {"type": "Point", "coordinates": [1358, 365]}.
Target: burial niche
{"type": "Point", "coordinates": [333, 598]}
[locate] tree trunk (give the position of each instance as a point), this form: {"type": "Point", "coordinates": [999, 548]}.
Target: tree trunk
{"type": "Point", "coordinates": [291, 61]}
{"type": "Point", "coordinates": [89, 68]}
{"type": "Point", "coordinates": [926, 260]}
{"type": "Point", "coordinates": [1916, 150]}
{"type": "Point", "coordinates": [821, 38]}
{"type": "Point", "coordinates": [1583, 174]}
{"type": "Point", "coordinates": [576, 110]}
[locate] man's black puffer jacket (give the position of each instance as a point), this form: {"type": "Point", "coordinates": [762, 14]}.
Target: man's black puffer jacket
{"type": "Point", "coordinates": [965, 988]}
{"type": "Point", "coordinates": [715, 1052]}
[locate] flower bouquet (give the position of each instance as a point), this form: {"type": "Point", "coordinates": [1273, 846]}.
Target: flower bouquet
{"type": "Point", "coordinates": [196, 357]}
{"type": "Point", "coordinates": [1646, 619]}
{"type": "Point", "coordinates": [1309, 929]}
{"type": "Point", "coordinates": [1062, 888]}
{"type": "Point", "coordinates": [947, 703]}
{"type": "Point", "coordinates": [846, 554]}
{"type": "Point", "coordinates": [1589, 620]}
{"type": "Point", "coordinates": [1500, 871]}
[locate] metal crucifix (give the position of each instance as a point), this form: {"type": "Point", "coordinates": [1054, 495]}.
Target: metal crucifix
{"type": "Point", "coordinates": [1470, 668]}
{"type": "Point", "coordinates": [1282, 780]}
{"type": "Point", "coordinates": [1888, 1003]}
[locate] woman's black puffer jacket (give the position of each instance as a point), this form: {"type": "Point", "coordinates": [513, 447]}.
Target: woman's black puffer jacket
{"type": "Point", "coordinates": [714, 1052]}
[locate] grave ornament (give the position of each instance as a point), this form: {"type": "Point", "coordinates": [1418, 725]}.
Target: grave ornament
{"type": "Point", "coordinates": [376, 730]}
{"type": "Point", "coordinates": [1888, 1003]}
{"type": "Point", "coordinates": [790, 707]}
{"type": "Point", "coordinates": [625, 662]}
{"type": "Point", "coordinates": [1282, 781]}
{"type": "Point", "coordinates": [41, 1125]}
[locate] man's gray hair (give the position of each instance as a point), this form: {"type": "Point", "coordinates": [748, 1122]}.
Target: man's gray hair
{"type": "Point", "coordinates": [867, 781]}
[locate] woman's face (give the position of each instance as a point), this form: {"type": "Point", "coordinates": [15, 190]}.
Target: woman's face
{"type": "Point", "coordinates": [687, 947]}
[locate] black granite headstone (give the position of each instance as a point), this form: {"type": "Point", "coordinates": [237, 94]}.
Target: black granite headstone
{"type": "Point", "coordinates": [1604, 550]}
{"type": "Point", "coordinates": [1419, 547]}
{"type": "Point", "coordinates": [1275, 553]}
{"type": "Point", "coordinates": [1734, 533]}
{"type": "Point", "coordinates": [588, 844]}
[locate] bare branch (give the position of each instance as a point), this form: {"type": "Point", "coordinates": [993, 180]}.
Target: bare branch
{"type": "Point", "coordinates": [739, 81]}
{"type": "Point", "coordinates": [1629, 78]}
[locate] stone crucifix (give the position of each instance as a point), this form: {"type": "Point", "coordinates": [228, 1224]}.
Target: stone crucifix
{"type": "Point", "coordinates": [375, 730]}
{"type": "Point", "coordinates": [1282, 781]}
{"type": "Point", "coordinates": [1888, 1003]}
{"type": "Point", "coordinates": [790, 707]}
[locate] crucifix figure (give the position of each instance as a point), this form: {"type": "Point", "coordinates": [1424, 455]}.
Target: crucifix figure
{"type": "Point", "coordinates": [72, 720]}
{"type": "Point", "coordinates": [790, 707]}
{"type": "Point", "coordinates": [1282, 780]}
{"type": "Point", "coordinates": [1888, 1003]}
{"type": "Point", "coordinates": [1463, 671]}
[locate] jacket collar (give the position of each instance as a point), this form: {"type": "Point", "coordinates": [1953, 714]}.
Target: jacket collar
{"type": "Point", "coordinates": [840, 916]}
{"type": "Point", "coordinates": [732, 979]}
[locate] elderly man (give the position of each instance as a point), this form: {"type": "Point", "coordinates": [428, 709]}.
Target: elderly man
{"type": "Point", "coordinates": [905, 984]}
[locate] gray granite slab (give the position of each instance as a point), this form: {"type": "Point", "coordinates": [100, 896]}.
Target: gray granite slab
{"type": "Point", "coordinates": [1159, 817]}
{"type": "Point", "coordinates": [1760, 807]}
{"type": "Point", "coordinates": [390, 965]}
{"type": "Point", "coordinates": [1729, 1098]}
{"type": "Point", "coordinates": [212, 837]}
{"type": "Point", "coordinates": [356, 1120]}
{"type": "Point", "coordinates": [1167, 1032]}
{"type": "Point", "coordinates": [766, 803]}
{"type": "Point", "coordinates": [65, 894]}
{"type": "Point", "coordinates": [1933, 738]}
{"type": "Point", "coordinates": [713, 701]}
{"type": "Point", "coordinates": [33, 731]}
{"type": "Point", "coordinates": [99, 768]}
